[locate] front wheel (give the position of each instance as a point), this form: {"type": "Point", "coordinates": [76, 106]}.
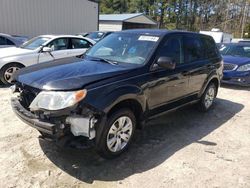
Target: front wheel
{"type": "Point", "coordinates": [208, 97]}
{"type": "Point", "coordinates": [117, 134]}
{"type": "Point", "coordinates": [6, 73]}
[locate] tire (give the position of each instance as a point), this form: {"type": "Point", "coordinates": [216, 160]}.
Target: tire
{"type": "Point", "coordinates": [109, 145]}
{"type": "Point", "coordinates": [7, 72]}
{"type": "Point", "coordinates": [207, 99]}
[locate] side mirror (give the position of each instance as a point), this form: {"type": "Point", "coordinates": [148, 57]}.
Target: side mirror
{"type": "Point", "coordinates": [46, 49]}
{"type": "Point", "coordinates": [166, 62]}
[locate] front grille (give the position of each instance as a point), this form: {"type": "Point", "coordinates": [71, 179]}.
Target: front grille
{"type": "Point", "coordinates": [27, 95]}
{"type": "Point", "coordinates": [229, 66]}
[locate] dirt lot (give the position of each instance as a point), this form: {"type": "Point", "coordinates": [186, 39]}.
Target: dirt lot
{"type": "Point", "coordinates": [182, 149]}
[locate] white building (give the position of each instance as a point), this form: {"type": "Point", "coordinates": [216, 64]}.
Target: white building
{"type": "Point", "coordinates": [118, 22]}
{"type": "Point", "coordinates": [36, 17]}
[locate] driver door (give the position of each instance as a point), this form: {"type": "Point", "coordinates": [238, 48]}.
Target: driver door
{"type": "Point", "coordinates": [60, 49]}
{"type": "Point", "coordinates": [167, 86]}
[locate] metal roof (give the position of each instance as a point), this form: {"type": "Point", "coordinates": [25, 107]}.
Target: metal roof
{"type": "Point", "coordinates": [118, 17]}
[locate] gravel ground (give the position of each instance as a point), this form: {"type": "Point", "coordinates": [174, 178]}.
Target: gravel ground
{"type": "Point", "coordinates": [185, 148]}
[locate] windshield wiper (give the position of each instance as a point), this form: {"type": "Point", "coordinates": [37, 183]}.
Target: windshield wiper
{"type": "Point", "coordinates": [104, 60]}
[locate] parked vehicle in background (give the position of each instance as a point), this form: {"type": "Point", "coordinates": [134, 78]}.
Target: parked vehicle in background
{"type": "Point", "coordinates": [238, 40]}
{"type": "Point", "coordinates": [236, 63]}
{"type": "Point", "coordinates": [11, 40]}
{"type": "Point", "coordinates": [82, 34]}
{"type": "Point", "coordinates": [40, 49]}
{"type": "Point", "coordinates": [244, 41]}
{"type": "Point", "coordinates": [98, 35]}
{"type": "Point", "coordinates": [124, 80]}
{"type": "Point", "coordinates": [218, 36]}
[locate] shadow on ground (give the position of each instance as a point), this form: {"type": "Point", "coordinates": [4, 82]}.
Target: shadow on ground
{"type": "Point", "coordinates": [151, 147]}
{"type": "Point", "coordinates": [235, 87]}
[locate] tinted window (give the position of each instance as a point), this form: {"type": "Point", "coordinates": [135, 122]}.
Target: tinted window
{"type": "Point", "coordinates": [2, 41]}
{"type": "Point", "coordinates": [172, 49]}
{"type": "Point", "coordinates": [210, 46]}
{"type": "Point", "coordinates": [80, 43]}
{"type": "Point", "coordinates": [193, 49]}
{"type": "Point", "coordinates": [96, 35]}
{"type": "Point", "coordinates": [59, 44]}
{"type": "Point", "coordinates": [9, 42]}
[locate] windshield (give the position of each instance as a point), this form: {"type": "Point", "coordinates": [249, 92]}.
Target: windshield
{"type": "Point", "coordinates": [124, 47]}
{"type": "Point", "coordinates": [95, 35]}
{"type": "Point", "coordinates": [235, 50]}
{"type": "Point", "coordinates": [34, 43]}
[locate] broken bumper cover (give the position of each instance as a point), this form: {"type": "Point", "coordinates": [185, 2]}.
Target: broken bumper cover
{"type": "Point", "coordinates": [76, 124]}
{"type": "Point", "coordinates": [31, 119]}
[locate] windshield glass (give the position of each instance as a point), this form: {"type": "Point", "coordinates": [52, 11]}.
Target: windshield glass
{"type": "Point", "coordinates": [95, 35]}
{"type": "Point", "coordinates": [236, 50]}
{"type": "Point", "coordinates": [34, 43]}
{"type": "Point", "coordinates": [124, 47]}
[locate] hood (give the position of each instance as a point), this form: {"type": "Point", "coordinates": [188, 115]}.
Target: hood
{"type": "Point", "coordinates": [67, 74]}
{"type": "Point", "coordinates": [13, 51]}
{"type": "Point", "coordinates": [236, 60]}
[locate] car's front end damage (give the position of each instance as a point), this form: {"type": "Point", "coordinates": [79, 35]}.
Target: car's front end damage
{"type": "Point", "coordinates": [77, 120]}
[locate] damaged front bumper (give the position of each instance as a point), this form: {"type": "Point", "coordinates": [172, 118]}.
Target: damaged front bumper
{"type": "Point", "coordinates": [59, 125]}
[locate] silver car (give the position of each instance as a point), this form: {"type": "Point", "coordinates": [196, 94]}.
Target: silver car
{"type": "Point", "coordinates": [38, 50]}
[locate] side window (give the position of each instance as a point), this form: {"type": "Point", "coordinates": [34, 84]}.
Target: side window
{"type": "Point", "coordinates": [247, 51]}
{"type": "Point", "coordinates": [8, 42]}
{"type": "Point", "coordinates": [193, 49]}
{"type": "Point", "coordinates": [79, 43]}
{"type": "Point", "coordinates": [59, 44]}
{"type": "Point", "coordinates": [172, 48]}
{"type": "Point", "coordinates": [211, 48]}
{"type": "Point", "coordinates": [2, 41]}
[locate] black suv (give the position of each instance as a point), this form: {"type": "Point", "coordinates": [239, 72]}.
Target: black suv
{"type": "Point", "coordinates": [123, 81]}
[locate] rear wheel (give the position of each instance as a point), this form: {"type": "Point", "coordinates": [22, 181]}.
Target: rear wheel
{"type": "Point", "coordinates": [6, 73]}
{"type": "Point", "coordinates": [117, 134]}
{"type": "Point", "coordinates": [208, 97]}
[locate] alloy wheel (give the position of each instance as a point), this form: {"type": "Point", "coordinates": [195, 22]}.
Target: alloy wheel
{"type": "Point", "coordinates": [209, 98]}
{"type": "Point", "coordinates": [119, 134]}
{"type": "Point", "coordinates": [8, 75]}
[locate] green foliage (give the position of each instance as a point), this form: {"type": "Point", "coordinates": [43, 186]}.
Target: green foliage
{"type": "Point", "coordinates": [194, 15]}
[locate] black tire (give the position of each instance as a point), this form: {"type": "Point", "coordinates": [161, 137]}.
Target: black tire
{"type": "Point", "coordinates": [101, 145]}
{"type": "Point", "coordinates": [5, 68]}
{"type": "Point", "coordinates": [202, 103]}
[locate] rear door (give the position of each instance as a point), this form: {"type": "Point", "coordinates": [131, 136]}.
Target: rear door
{"type": "Point", "coordinates": [195, 61]}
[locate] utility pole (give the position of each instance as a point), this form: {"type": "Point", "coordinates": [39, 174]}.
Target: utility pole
{"type": "Point", "coordinates": [243, 20]}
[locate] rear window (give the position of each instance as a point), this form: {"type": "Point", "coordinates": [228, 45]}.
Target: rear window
{"type": "Point", "coordinates": [9, 42]}
{"type": "Point", "coordinates": [210, 46]}
{"type": "Point", "coordinates": [2, 41]}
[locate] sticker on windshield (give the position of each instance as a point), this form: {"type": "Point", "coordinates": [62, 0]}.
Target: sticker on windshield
{"type": "Point", "coordinates": [148, 38]}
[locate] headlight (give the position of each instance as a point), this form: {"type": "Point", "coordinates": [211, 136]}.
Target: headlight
{"type": "Point", "coordinates": [244, 68]}
{"type": "Point", "coordinates": [54, 100]}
